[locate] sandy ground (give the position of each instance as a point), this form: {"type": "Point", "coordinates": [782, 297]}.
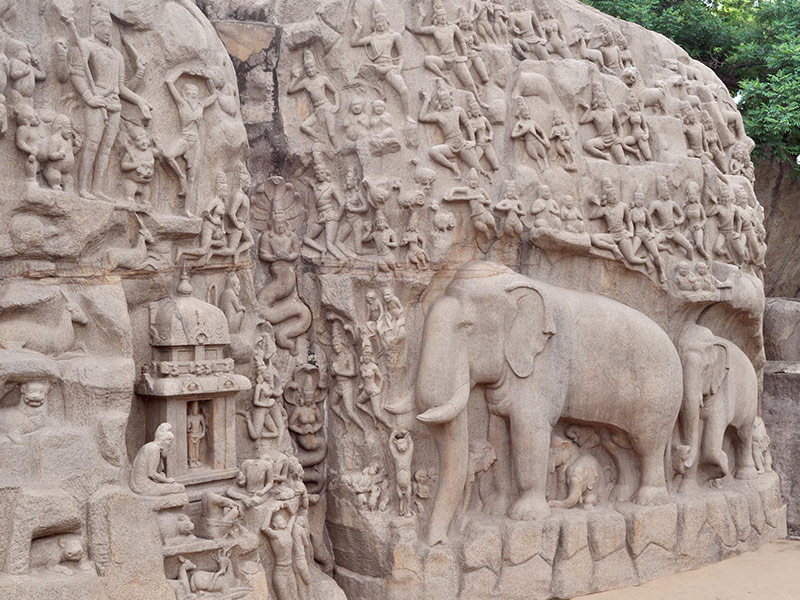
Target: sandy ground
{"type": "Point", "coordinates": [771, 573]}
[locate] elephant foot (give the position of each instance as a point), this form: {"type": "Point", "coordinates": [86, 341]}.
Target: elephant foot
{"type": "Point", "coordinates": [529, 507]}
{"type": "Point", "coordinates": [746, 472]}
{"type": "Point", "coordinates": [651, 495]}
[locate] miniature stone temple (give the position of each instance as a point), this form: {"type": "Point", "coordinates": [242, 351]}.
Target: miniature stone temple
{"type": "Point", "coordinates": [454, 299]}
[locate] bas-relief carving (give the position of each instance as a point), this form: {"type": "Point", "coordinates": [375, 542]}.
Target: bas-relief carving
{"type": "Point", "coordinates": [563, 165]}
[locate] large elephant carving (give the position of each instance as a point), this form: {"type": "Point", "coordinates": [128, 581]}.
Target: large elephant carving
{"type": "Point", "coordinates": [539, 353]}
{"type": "Point", "coordinates": [720, 391]}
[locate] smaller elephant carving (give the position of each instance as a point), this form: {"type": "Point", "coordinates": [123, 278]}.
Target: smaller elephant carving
{"type": "Point", "coordinates": [581, 471]}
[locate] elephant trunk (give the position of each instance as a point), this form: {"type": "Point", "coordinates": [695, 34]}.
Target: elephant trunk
{"type": "Point", "coordinates": [690, 410]}
{"type": "Point", "coordinates": [442, 390]}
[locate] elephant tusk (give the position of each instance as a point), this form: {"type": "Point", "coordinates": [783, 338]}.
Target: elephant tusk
{"type": "Point", "coordinates": [450, 409]}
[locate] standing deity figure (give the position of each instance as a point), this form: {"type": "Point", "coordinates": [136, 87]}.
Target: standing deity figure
{"type": "Point", "coordinates": [644, 232]}
{"type": "Point", "coordinates": [384, 49]}
{"type": "Point", "coordinates": [713, 141]}
{"type": "Point", "coordinates": [532, 136]}
{"type": "Point", "coordinates": [608, 143]}
{"type": "Point", "coordinates": [696, 218]}
{"type": "Point", "coordinates": [317, 86]}
{"type": "Point", "coordinates": [401, 446]}
{"type": "Point", "coordinates": [450, 119]}
{"type": "Point", "coordinates": [343, 367]}
{"type": "Point", "coordinates": [527, 35]}
{"type": "Point", "coordinates": [147, 471]}
{"type": "Point", "coordinates": [749, 221]}
{"type": "Point", "coordinates": [452, 47]}
{"type": "Point", "coordinates": [195, 433]}
{"type": "Point", "coordinates": [97, 71]}
{"type": "Point", "coordinates": [329, 203]}
{"type": "Point", "coordinates": [619, 228]}
{"type": "Point", "coordinates": [191, 109]}
{"type": "Point", "coordinates": [667, 215]}
{"type": "Point", "coordinates": [355, 205]}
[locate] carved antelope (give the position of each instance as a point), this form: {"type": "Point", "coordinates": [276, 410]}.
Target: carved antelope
{"type": "Point", "coordinates": [134, 257]}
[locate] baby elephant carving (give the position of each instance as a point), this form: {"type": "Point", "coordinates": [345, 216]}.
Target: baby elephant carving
{"type": "Point", "coordinates": [581, 472]}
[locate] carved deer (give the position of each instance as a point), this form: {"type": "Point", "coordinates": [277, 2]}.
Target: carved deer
{"type": "Point", "coordinates": [135, 256]}
{"type": "Point", "coordinates": [221, 580]}
{"type": "Point", "coordinates": [578, 37]}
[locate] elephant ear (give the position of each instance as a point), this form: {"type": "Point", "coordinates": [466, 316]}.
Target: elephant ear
{"type": "Point", "coordinates": [719, 368]}
{"type": "Point", "coordinates": [529, 328]}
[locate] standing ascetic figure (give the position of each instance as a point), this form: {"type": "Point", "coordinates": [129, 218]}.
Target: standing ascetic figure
{"type": "Point", "coordinates": [318, 87]}
{"type": "Point", "coordinates": [97, 71]}
{"type": "Point", "coordinates": [538, 352]}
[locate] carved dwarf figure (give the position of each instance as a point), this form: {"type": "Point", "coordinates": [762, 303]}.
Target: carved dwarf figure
{"type": "Point", "coordinates": [138, 166]}
{"type": "Point", "coordinates": [572, 217]}
{"type": "Point", "coordinates": [62, 146]}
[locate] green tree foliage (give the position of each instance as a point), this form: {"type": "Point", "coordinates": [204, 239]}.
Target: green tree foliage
{"type": "Point", "coordinates": [752, 45]}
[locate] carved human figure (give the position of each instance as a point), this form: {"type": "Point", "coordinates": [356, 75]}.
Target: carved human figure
{"type": "Point", "coordinates": [138, 165]}
{"type": "Point", "coordinates": [498, 16]}
{"type": "Point", "coordinates": [219, 516]}
{"type": "Point", "coordinates": [667, 215]}
{"type": "Point", "coordinates": [318, 88]}
{"type": "Point", "coordinates": [62, 146]}
{"type": "Point", "coordinates": [356, 122]}
{"type": "Point", "coordinates": [480, 459]}
{"type": "Point", "coordinates": [551, 26]}
{"type": "Point", "coordinates": [239, 239]}
{"type": "Point", "coordinates": [147, 471]}
{"type": "Point", "coordinates": [561, 141]}
{"type": "Point", "coordinates": [740, 163]}
{"type": "Point", "coordinates": [694, 132]}
{"type": "Point", "coordinates": [479, 11]}
{"type": "Point", "coordinates": [380, 121]}
{"type": "Point", "coordinates": [607, 45]}
{"type": "Point", "coordinates": [368, 485]}
{"type": "Point", "coordinates": [762, 457]}
{"type": "Point", "coordinates": [384, 49]}
{"type": "Point", "coordinates": [29, 415]}
{"type": "Point", "coordinates": [583, 474]}
{"type": "Point", "coordinates": [266, 419]}
{"type": "Point", "coordinates": [644, 232]}
{"type": "Point", "coordinates": [212, 228]}
{"type": "Point", "coordinates": [450, 44]}
{"type": "Point", "coordinates": [483, 134]}
{"type": "Point", "coordinates": [625, 55]}
{"type": "Point", "coordinates": [97, 71]}
{"type": "Point", "coordinates": [278, 531]}
{"type": "Point", "coordinates": [397, 316]}
{"type": "Point", "coordinates": [256, 478]}
{"type": "Point", "coordinates": [511, 209]}
{"type": "Point", "coordinates": [231, 304]}
{"type": "Point", "coordinates": [696, 218]}
{"type": "Point", "coordinates": [343, 399]}
{"type": "Point", "coordinates": [728, 243]}
{"type": "Point", "coordinates": [473, 45]}
{"type": "Point", "coordinates": [453, 122]}
{"type": "Point", "coordinates": [536, 143]}
{"type": "Point", "coordinates": [713, 142]}
{"type": "Point", "coordinates": [421, 489]}
{"type": "Point", "coordinates": [527, 36]}
{"type": "Point", "coordinates": [572, 217]}
{"type": "Point", "coordinates": [385, 240]}
{"type": "Point", "coordinates": [401, 445]}
{"type": "Point", "coordinates": [608, 143]}
{"type": "Point", "coordinates": [328, 200]}
{"type": "Point", "coordinates": [355, 204]}
{"type": "Point", "coordinates": [195, 434]}
{"type": "Point", "coordinates": [482, 219]}
{"type": "Point", "coordinates": [187, 144]}
{"type": "Point", "coordinates": [749, 221]}
{"type": "Point", "coordinates": [706, 279]}
{"type": "Point", "coordinates": [415, 254]}
{"type": "Point", "coordinates": [545, 209]}
{"type": "Point", "coordinates": [619, 228]}
{"type": "Point", "coordinates": [371, 386]}
{"type": "Point", "coordinates": [685, 279]}
{"type": "Point", "coordinates": [639, 137]}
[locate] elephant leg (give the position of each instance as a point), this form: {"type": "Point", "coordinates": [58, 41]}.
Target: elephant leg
{"type": "Point", "coordinates": [689, 483]}
{"type": "Point", "coordinates": [745, 465]}
{"type": "Point", "coordinates": [653, 485]}
{"type": "Point", "coordinates": [713, 438]}
{"type": "Point", "coordinates": [497, 434]}
{"type": "Point", "coordinates": [530, 449]}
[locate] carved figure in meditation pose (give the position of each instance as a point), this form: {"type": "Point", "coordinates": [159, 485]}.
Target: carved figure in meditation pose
{"type": "Point", "coordinates": [195, 433]}
{"type": "Point", "coordinates": [147, 471]}
{"type": "Point", "coordinates": [572, 217]}
{"type": "Point", "coordinates": [545, 209]}
{"type": "Point", "coordinates": [402, 448]}
{"type": "Point", "coordinates": [27, 416]}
